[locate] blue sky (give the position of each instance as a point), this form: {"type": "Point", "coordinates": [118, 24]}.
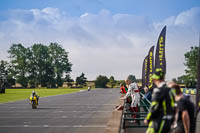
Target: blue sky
{"type": "Point", "coordinates": [107, 37]}
{"type": "Point", "coordinates": [156, 9]}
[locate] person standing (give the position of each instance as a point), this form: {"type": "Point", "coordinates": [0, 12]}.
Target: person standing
{"type": "Point", "coordinates": [133, 91]}
{"type": "Point", "coordinates": [123, 88]}
{"type": "Point", "coordinates": [185, 112]}
{"type": "Point", "coordinates": [162, 110]}
{"type": "Point", "coordinates": [147, 94]}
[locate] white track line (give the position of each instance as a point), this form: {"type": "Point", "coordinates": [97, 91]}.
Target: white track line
{"type": "Point", "coordinates": [5, 104]}
{"type": "Point", "coordinates": [53, 126]}
{"type": "Point", "coordinates": [55, 107]}
{"type": "Point", "coordinates": [60, 111]}
{"type": "Point", "coordinates": [50, 117]}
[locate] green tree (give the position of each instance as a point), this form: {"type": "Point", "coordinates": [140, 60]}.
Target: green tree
{"type": "Point", "coordinates": [191, 59]}
{"type": "Point", "coordinates": [6, 69]}
{"type": "Point", "coordinates": [81, 80]}
{"type": "Point", "coordinates": [69, 80]}
{"type": "Point", "coordinates": [185, 79]}
{"type": "Point", "coordinates": [41, 66]}
{"type": "Point", "coordinates": [60, 62]}
{"type": "Point", "coordinates": [32, 69]}
{"type": "Point", "coordinates": [174, 80]}
{"type": "Point", "coordinates": [19, 61]}
{"type": "Point", "coordinates": [101, 81]}
{"type": "Point", "coordinates": [112, 82]}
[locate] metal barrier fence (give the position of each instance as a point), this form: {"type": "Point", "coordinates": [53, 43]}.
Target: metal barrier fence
{"type": "Point", "coordinates": [128, 121]}
{"type": "Point", "coordinates": [127, 116]}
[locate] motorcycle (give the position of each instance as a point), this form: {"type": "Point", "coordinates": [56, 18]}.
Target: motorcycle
{"type": "Point", "coordinates": [89, 88]}
{"type": "Point", "coordinates": [33, 102]}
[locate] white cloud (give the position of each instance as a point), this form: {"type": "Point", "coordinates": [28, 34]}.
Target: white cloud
{"type": "Point", "coordinates": [103, 43]}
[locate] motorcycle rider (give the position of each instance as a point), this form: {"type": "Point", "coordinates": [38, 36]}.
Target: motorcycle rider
{"type": "Point", "coordinates": [36, 95]}
{"type": "Point", "coordinates": [162, 110]}
{"type": "Point", "coordinates": [89, 88]}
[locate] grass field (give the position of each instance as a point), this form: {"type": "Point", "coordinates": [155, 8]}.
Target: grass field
{"type": "Point", "coordinates": [21, 94]}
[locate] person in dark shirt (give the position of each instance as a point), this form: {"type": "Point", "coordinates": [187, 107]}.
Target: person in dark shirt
{"type": "Point", "coordinates": [185, 113]}
{"type": "Point", "coordinates": [148, 94]}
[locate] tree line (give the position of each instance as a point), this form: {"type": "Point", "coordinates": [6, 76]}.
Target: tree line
{"type": "Point", "coordinates": [45, 66]}
{"type": "Point", "coordinates": [191, 63]}
{"type": "Point", "coordinates": [37, 65]}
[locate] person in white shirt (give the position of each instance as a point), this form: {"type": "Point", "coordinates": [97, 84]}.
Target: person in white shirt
{"type": "Point", "coordinates": [133, 91]}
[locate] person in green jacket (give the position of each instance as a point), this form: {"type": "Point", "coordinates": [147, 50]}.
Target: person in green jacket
{"type": "Point", "coordinates": [162, 110]}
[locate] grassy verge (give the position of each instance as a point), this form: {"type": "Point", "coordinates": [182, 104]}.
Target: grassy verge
{"type": "Point", "coordinates": [21, 94]}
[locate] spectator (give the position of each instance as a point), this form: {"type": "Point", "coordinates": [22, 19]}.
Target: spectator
{"type": "Point", "coordinates": [133, 91]}
{"type": "Point", "coordinates": [148, 94]}
{"type": "Point", "coordinates": [185, 113]}
{"type": "Point", "coordinates": [123, 88]}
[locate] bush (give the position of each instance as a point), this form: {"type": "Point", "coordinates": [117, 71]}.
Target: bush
{"type": "Point", "coordinates": [101, 81]}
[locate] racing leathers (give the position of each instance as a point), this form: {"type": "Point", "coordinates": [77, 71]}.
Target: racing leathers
{"type": "Point", "coordinates": [162, 110]}
{"type": "Point", "coordinates": [133, 91]}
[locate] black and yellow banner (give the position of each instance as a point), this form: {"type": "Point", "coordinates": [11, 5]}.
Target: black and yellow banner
{"type": "Point", "coordinates": [150, 68]}
{"type": "Point", "coordinates": [144, 72]}
{"type": "Point", "coordinates": [160, 61]}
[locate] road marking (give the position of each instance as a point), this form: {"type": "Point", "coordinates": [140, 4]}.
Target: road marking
{"type": "Point", "coordinates": [53, 126]}
{"type": "Point", "coordinates": [50, 117]}
{"type": "Point", "coordinates": [60, 111]}
{"type": "Point", "coordinates": [54, 107]}
{"type": "Point", "coordinates": [63, 104]}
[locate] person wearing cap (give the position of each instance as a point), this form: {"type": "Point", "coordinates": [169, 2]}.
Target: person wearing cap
{"type": "Point", "coordinates": [133, 91]}
{"type": "Point", "coordinates": [162, 110]}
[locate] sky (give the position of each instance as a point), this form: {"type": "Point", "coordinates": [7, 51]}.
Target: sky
{"type": "Point", "coordinates": [103, 37]}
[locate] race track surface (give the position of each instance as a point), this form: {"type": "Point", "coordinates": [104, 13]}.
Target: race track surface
{"type": "Point", "coordinates": [82, 112]}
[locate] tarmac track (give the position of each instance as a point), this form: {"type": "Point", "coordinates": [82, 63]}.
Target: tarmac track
{"type": "Point", "coordinates": [82, 112]}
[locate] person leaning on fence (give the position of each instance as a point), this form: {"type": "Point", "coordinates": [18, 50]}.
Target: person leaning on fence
{"type": "Point", "coordinates": [123, 88]}
{"type": "Point", "coordinates": [147, 94]}
{"type": "Point", "coordinates": [185, 122]}
{"type": "Point", "coordinates": [162, 110]}
{"type": "Point", "coordinates": [133, 91]}
{"type": "Point", "coordinates": [123, 92]}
